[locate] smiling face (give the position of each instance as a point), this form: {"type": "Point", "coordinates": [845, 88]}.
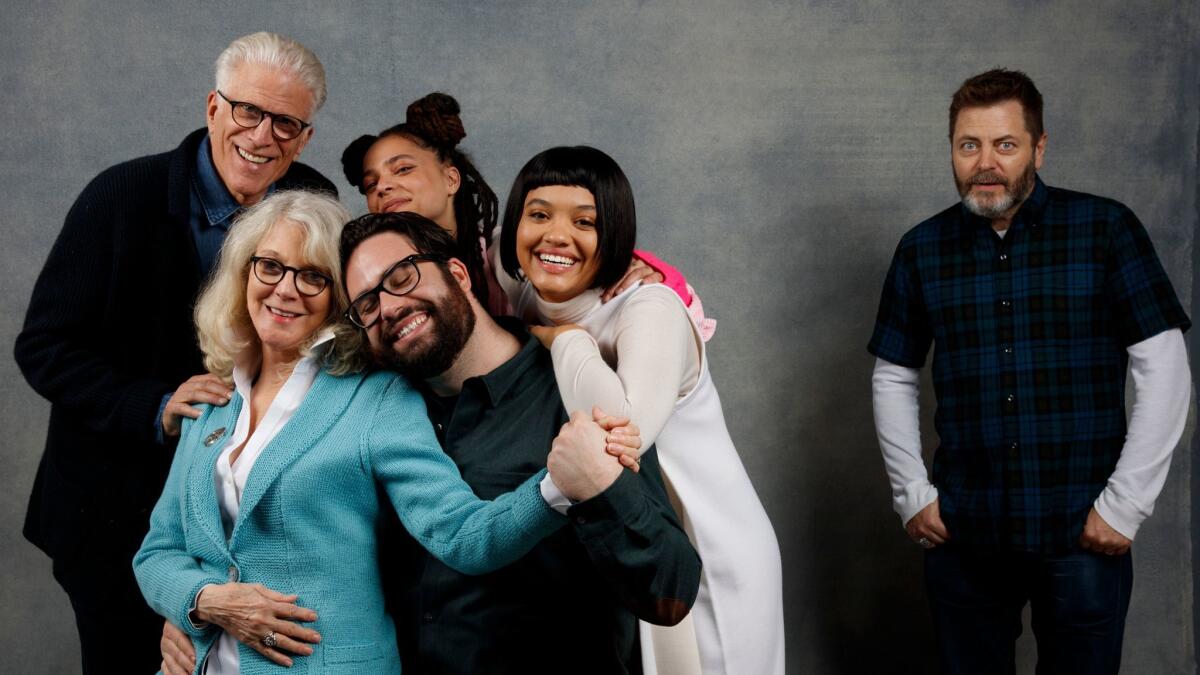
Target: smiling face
{"type": "Point", "coordinates": [400, 175]}
{"type": "Point", "coordinates": [419, 334]}
{"type": "Point", "coordinates": [283, 318]}
{"type": "Point", "coordinates": [994, 158]}
{"type": "Point", "coordinates": [250, 160]}
{"type": "Point", "coordinates": [556, 241]}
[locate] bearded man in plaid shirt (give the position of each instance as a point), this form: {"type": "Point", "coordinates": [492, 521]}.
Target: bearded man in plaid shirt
{"type": "Point", "coordinates": [1035, 300]}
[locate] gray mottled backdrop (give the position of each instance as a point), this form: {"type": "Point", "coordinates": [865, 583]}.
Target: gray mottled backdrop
{"type": "Point", "coordinates": [778, 151]}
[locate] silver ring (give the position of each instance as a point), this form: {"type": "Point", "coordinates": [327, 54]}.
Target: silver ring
{"type": "Point", "coordinates": [925, 543]}
{"type": "Point", "coordinates": [269, 639]}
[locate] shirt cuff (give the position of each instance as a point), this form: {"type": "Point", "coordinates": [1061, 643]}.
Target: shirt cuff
{"type": "Point", "coordinates": [1123, 517]}
{"type": "Point", "coordinates": [916, 496]}
{"type": "Point", "coordinates": [553, 496]}
{"type": "Point", "coordinates": [159, 435]}
{"type": "Point", "coordinates": [620, 501]}
{"type": "Point", "coordinates": [191, 614]}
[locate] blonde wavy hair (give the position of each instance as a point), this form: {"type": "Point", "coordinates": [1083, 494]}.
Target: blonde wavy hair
{"type": "Point", "coordinates": [223, 324]}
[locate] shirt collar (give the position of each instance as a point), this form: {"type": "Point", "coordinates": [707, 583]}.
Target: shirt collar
{"type": "Point", "coordinates": [494, 386]}
{"type": "Point", "coordinates": [247, 361]}
{"type": "Point", "coordinates": [219, 205]}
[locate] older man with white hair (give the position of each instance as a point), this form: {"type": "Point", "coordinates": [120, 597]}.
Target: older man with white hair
{"type": "Point", "coordinates": [108, 336]}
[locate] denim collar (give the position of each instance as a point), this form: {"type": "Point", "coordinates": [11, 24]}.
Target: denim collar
{"type": "Point", "coordinates": [215, 198]}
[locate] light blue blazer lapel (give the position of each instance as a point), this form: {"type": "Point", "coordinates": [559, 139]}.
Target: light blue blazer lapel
{"type": "Point", "coordinates": [203, 506]}
{"type": "Point", "coordinates": [322, 406]}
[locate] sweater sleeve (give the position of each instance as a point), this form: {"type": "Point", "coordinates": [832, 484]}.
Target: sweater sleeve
{"type": "Point", "coordinates": [436, 506]}
{"type": "Point", "coordinates": [58, 349]}
{"type": "Point", "coordinates": [1162, 387]}
{"type": "Point", "coordinates": [170, 576]}
{"type": "Point", "coordinates": [658, 362]}
{"type": "Point", "coordinates": [635, 541]}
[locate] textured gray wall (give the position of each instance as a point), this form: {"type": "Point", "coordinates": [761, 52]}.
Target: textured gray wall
{"type": "Point", "coordinates": [778, 151]}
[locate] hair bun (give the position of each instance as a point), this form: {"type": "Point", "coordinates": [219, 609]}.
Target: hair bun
{"type": "Point", "coordinates": [435, 117]}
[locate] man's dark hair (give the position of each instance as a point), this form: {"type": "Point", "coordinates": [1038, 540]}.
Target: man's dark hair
{"type": "Point", "coordinates": [433, 123]}
{"type": "Point", "coordinates": [997, 86]}
{"type": "Point", "coordinates": [425, 235]}
{"type": "Point", "coordinates": [588, 168]}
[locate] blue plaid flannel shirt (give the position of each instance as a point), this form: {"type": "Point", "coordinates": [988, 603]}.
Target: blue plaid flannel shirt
{"type": "Point", "coordinates": [1029, 334]}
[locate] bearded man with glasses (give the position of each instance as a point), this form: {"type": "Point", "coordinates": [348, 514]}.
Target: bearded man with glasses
{"type": "Point", "coordinates": [148, 229]}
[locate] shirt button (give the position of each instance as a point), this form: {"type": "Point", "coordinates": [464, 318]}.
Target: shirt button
{"type": "Point", "coordinates": [1010, 398]}
{"type": "Point", "coordinates": [1003, 257]}
{"type": "Point", "coordinates": [427, 617]}
{"type": "Point", "coordinates": [1013, 446]}
{"type": "Point", "coordinates": [1006, 303]}
{"type": "Point", "coordinates": [439, 426]}
{"type": "Point", "coordinates": [581, 520]}
{"type": "Point", "coordinates": [1007, 349]}
{"type": "Point", "coordinates": [233, 574]}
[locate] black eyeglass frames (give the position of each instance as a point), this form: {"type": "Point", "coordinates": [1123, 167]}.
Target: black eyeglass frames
{"type": "Point", "coordinates": [248, 115]}
{"type": "Point", "coordinates": [400, 279]}
{"type": "Point", "coordinates": [270, 271]}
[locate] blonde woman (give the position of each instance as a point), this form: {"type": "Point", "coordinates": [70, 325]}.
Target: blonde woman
{"type": "Point", "coordinates": [262, 547]}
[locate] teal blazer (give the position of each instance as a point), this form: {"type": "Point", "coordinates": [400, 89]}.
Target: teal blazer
{"type": "Point", "coordinates": [308, 517]}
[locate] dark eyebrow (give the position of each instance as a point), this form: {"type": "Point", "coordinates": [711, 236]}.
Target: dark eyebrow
{"type": "Point", "coordinates": [370, 173]}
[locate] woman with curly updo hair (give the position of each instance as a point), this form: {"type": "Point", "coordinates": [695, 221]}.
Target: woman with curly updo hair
{"type": "Point", "coordinates": [416, 166]}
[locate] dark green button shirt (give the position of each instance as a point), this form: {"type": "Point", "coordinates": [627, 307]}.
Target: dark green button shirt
{"type": "Point", "coordinates": [571, 604]}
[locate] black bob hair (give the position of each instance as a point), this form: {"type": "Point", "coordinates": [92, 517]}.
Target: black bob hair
{"type": "Point", "coordinates": [591, 169]}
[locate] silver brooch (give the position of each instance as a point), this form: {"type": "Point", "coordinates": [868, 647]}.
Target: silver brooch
{"type": "Point", "coordinates": [212, 438]}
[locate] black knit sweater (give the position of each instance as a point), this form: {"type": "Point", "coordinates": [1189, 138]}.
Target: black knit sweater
{"type": "Point", "coordinates": [108, 333]}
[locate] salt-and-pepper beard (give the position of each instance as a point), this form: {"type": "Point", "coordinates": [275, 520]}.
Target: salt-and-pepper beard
{"type": "Point", "coordinates": [1022, 185]}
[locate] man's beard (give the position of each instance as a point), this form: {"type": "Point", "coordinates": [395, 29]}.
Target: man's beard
{"type": "Point", "coordinates": [996, 206]}
{"type": "Point", "coordinates": [452, 325]}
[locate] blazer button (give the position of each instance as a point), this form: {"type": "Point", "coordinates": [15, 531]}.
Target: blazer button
{"type": "Point", "coordinates": [233, 574]}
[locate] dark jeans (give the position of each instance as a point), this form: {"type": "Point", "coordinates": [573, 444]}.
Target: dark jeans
{"type": "Point", "coordinates": [1078, 602]}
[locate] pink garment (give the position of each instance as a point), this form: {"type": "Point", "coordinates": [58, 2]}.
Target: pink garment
{"type": "Point", "coordinates": [673, 279]}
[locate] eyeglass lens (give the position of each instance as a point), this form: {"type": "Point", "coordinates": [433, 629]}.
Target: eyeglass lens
{"type": "Point", "coordinates": [271, 271]}
{"type": "Point", "coordinates": [284, 127]}
{"type": "Point", "coordinates": [400, 280]}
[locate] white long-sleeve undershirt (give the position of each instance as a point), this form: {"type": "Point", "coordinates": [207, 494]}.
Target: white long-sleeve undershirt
{"type": "Point", "coordinates": [1162, 390]}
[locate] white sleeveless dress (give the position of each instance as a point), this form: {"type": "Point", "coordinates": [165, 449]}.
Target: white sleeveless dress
{"type": "Point", "coordinates": [737, 621]}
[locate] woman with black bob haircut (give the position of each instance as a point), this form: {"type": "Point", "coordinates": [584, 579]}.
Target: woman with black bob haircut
{"type": "Point", "coordinates": [569, 229]}
{"type": "Point", "coordinates": [588, 168]}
